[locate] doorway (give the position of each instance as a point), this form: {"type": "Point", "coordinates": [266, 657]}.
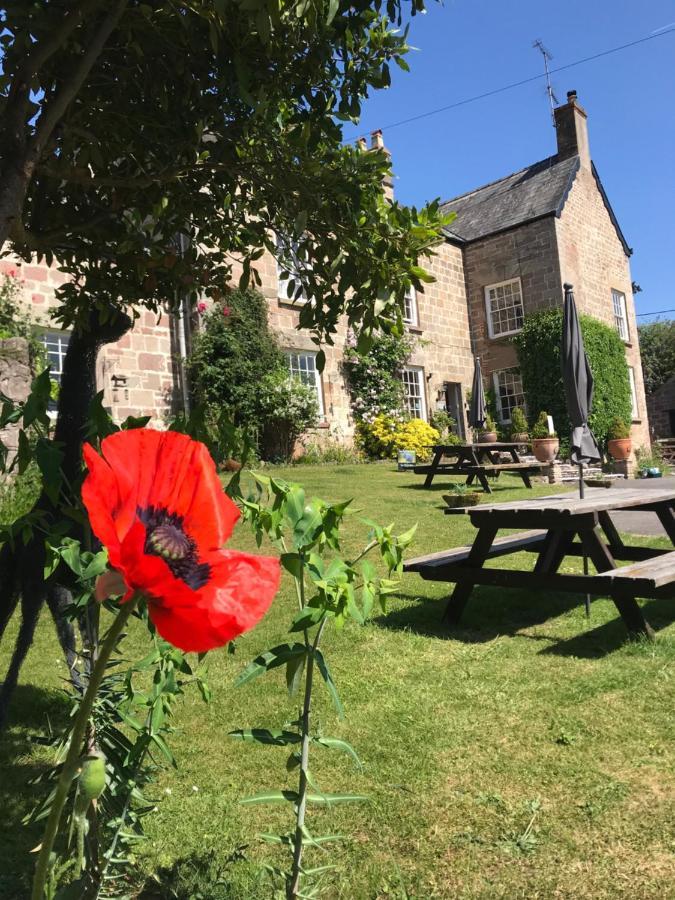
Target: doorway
{"type": "Point", "coordinates": [454, 405]}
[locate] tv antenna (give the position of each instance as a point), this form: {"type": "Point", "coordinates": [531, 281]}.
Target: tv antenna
{"type": "Point", "coordinates": [552, 99]}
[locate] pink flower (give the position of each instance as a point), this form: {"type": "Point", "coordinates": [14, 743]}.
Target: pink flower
{"type": "Point", "coordinates": [201, 307]}
{"type": "Point", "coordinates": [227, 311]}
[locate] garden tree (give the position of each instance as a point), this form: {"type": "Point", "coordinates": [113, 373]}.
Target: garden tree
{"type": "Point", "coordinates": [657, 349]}
{"type": "Point", "coordinates": [125, 125]}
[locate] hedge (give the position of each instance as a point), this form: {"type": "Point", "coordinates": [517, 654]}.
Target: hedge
{"type": "Point", "coordinates": [538, 346]}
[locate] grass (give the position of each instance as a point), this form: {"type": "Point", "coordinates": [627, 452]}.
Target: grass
{"type": "Point", "coordinates": [528, 754]}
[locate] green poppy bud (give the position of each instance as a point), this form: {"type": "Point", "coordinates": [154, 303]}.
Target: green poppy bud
{"type": "Point", "coordinates": [92, 780]}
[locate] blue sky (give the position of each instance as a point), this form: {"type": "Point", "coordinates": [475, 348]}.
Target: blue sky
{"type": "Point", "coordinates": [466, 47]}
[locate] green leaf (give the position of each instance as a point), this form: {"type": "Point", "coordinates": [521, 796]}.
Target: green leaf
{"type": "Point", "coordinates": [292, 563]}
{"type": "Point", "coordinates": [337, 744]}
{"type": "Point", "coordinates": [279, 738]}
{"type": "Point", "coordinates": [271, 797]}
{"type": "Point", "coordinates": [271, 659]}
{"type": "Point", "coordinates": [307, 617]}
{"type": "Point", "coordinates": [335, 799]}
{"type": "Point", "coordinates": [294, 669]}
{"type": "Point", "coordinates": [330, 684]}
{"type": "Point", "coordinates": [49, 458]}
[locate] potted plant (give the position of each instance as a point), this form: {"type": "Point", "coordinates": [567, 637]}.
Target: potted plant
{"type": "Point", "coordinates": [461, 496]}
{"type": "Point", "coordinates": [488, 434]}
{"type": "Point", "coordinates": [519, 432]}
{"type": "Point", "coordinates": [619, 443]}
{"type": "Point", "coordinates": [545, 446]}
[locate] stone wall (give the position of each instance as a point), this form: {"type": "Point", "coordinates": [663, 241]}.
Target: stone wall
{"type": "Point", "coordinates": [593, 259]}
{"type": "Point", "coordinates": [661, 407]}
{"type": "Point", "coordinates": [528, 253]}
{"type": "Point", "coordinates": [15, 381]}
{"type": "Point", "coordinates": [139, 374]}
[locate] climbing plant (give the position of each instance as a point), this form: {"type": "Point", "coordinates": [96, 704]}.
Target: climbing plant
{"type": "Point", "coordinates": [538, 346]}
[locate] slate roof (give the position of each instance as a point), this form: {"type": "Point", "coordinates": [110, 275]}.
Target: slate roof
{"type": "Point", "coordinates": [536, 191]}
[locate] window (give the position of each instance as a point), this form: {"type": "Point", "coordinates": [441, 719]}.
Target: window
{"type": "Point", "coordinates": [289, 271]}
{"type": "Point", "coordinates": [302, 365]}
{"type": "Point", "coordinates": [620, 316]}
{"type": "Point", "coordinates": [410, 307]}
{"type": "Point", "coordinates": [413, 392]}
{"type": "Point", "coordinates": [504, 304]}
{"type": "Point", "coordinates": [509, 391]}
{"type": "Point", "coordinates": [633, 393]}
{"type": "Point", "coordinates": [56, 344]}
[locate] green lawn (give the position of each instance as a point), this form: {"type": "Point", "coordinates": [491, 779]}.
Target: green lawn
{"type": "Point", "coordinates": [527, 715]}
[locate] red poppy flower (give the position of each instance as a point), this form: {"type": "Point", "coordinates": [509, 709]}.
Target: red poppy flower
{"type": "Point", "coordinates": [155, 501]}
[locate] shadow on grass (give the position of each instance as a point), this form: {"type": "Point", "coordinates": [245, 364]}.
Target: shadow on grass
{"type": "Point", "coordinates": [493, 612]}
{"type": "Point", "coordinates": [32, 713]}
{"type": "Point", "coordinates": [490, 612]}
{"type": "Point", "coordinates": [611, 635]}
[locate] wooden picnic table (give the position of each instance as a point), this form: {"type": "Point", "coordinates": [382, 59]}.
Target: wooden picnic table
{"type": "Point", "coordinates": [477, 461]}
{"type": "Point", "coordinates": [559, 527]}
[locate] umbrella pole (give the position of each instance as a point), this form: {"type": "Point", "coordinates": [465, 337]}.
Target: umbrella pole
{"type": "Point", "coordinates": [587, 600]}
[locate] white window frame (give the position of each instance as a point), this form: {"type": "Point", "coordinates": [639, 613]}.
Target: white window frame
{"type": "Point", "coordinates": [282, 283]}
{"type": "Point", "coordinates": [495, 382]}
{"type": "Point", "coordinates": [410, 299]}
{"type": "Point", "coordinates": [296, 372]}
{"type": "Point", "coordinates": [488, 306]}
{"type": "Point", "coordinates": [418, 373]}
{"type": "Point", "coordinates": [62, 338]}
{"type": "Point", "coordinates": [620, 315]}
{"type": "Point", "coordinates": [634, 412]}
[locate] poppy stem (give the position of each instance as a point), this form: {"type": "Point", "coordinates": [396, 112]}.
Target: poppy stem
{"type": "Point", "coordinates": [72, 761]}
{"type": "Point", "coordinates": [294, 883]}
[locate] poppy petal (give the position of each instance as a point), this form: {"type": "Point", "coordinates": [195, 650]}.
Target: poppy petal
{"type": "Point", "coordinates": [237, 596]}
{"type": "Point", "coordinates": [101, 497]}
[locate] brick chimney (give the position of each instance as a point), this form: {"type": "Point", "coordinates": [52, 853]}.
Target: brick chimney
{"type": "Point", "coordinates": [377, 143]}
{"type": "Point", "coordinates": [572, 131]}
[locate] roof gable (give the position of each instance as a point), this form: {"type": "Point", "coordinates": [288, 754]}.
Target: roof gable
{"type": "Point", "coordinates": [531, 193]}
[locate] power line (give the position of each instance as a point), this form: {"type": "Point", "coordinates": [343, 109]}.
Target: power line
{"type": "Point", "coordinates": [515, 84]}
{"type": "Point", "coordinates": [659, 312]}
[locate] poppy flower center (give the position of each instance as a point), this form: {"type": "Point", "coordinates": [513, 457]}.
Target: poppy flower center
{"type": "Point", "coordinates": [166, 537]}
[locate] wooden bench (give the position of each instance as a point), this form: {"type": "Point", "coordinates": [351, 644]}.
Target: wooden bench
{"type": "Point", "coordinates": [526, 540]}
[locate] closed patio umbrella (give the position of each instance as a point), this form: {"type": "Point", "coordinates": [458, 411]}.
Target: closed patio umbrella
{"type": "Point", "coordinates": [578, 383]}
{"type": "Point", "coordinates": [478, 409]}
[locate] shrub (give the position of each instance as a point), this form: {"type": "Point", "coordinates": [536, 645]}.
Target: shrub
{"type": "Point", "coordinates": [385, 436]}
{"type": "Point", "coordinates": [651, 458]}
{"type": "Point", "coordinates": [618, 430]}
{"type": "Point", "coordinates": [540, 427]}
{"type": "Point", "coordinates": [518, 421]}
{"type": "Point", "coordinates": [443, 422]}
{"type": "Point", "coordinates": [538, 347]}
{"type": "Point", "coordinates": [489, 424]}
{"type": "Point", "coordinates": [287, 409]}
{"type": "Point", "coordinates": [657, 349]}
{"type": "Point", "coordinates": [374, 379]}
{"type": "Point", "coordinates": [233, 353]}
{"type": "Point", "coordinates": [329, 452]}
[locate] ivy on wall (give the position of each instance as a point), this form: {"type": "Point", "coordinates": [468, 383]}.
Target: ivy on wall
{"type": "Point", "coordinates": [538, 346]}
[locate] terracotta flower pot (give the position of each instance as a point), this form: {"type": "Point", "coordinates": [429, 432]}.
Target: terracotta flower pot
{"type": "Point", "coordinates": [487, 437]}
{"type": "Point", "coordinates": [520, 437]}
{"type": "Point", "coordinates": [545, 449]}
{"type": "Point", "coordinates": [620, 448]}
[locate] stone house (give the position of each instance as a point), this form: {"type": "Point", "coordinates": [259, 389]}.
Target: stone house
{"type": "Point", "coordinates": [511, 247]}
{"type": "Point", "coordinates": [661, 407]}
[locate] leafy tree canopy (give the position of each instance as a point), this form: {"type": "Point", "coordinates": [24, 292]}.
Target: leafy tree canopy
{"type": "Point", "coordinates": [657, 348]}
{"type": "Point", "coordinates": [126, 124]}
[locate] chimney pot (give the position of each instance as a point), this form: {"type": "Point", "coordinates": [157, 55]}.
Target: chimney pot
{"type": "Point", "coordinates": [571, 95]}
{"type": "Point", "coordinates": [376, 140]}
{"type": "Point", "coordinates": [362, 144]}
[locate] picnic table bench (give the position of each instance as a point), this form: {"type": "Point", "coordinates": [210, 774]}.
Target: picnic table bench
{"type": "Point", "coordinates": [559, 527]}
{"type": "Point", "coordinates": [477, 461]}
